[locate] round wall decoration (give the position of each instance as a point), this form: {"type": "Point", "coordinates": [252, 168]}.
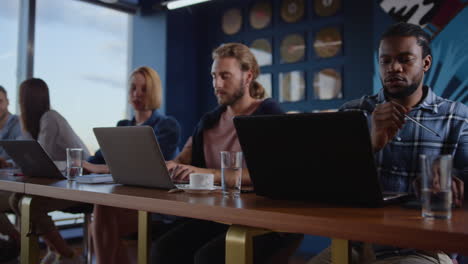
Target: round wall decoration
{"type": "Point", "coordinates": [232, 21]}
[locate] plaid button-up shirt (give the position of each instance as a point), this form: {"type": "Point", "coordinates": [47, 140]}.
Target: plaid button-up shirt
{"type": "Point", "coordinates": [398, 161]}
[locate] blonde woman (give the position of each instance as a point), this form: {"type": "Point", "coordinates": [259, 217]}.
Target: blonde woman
{"type": "Point", "coordinates": [111, 223]}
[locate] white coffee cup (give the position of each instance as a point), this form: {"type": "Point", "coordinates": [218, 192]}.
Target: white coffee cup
{"type": "Point", "coordinates": [201, 180]}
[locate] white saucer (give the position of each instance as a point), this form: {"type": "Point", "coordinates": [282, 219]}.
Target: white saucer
{"type": "Point", "coordinates": [186, 188]}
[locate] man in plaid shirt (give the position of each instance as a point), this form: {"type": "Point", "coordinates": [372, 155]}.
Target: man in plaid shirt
{"type": "Point", "coordinates": [404, 58]}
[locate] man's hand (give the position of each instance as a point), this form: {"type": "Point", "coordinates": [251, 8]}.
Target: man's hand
{"type": "Point", "coordinates": [179, 172]}
{"type": "Point", "coordinates": [458, 192]}
{"type": "Point", "coordinates": [387, 119]}
{"type": "Point", "coordinates": [171, 165]}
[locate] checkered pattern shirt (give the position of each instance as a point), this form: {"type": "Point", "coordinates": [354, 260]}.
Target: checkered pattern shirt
{"type": "Point", "coordinates": [398, 161]}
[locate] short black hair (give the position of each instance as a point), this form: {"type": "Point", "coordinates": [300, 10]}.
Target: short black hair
{"type": "Point", "coordinates": [3, 90]}
{"type": "Point", "coordinates": [403, 29]}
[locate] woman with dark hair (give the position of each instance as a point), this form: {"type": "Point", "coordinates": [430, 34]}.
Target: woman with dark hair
{"type": "Point", "coordinates": [53, 132]}
{"type": "Point", "coordinates": [45, 125]}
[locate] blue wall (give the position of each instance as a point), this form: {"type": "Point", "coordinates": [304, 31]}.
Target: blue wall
{"type": "Point", "coordinates": [147, 45]}
{"type": "Point", "coordinates": [189, 89]}
{"type": "Point", "coordinates": [192, 33]}
{"type": "Point", "coordinates": [181, 88]}
{"type": "Point", "coordinates": [449, 73]}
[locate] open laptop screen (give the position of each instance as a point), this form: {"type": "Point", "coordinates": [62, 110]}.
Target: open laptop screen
{"type": "Point", "coordinates": [31, 158]}
{"type": "Point", "coordinates": [324, 157]}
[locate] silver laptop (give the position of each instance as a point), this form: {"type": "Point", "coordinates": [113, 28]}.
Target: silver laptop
{"type": "Point", "coordinates": [35, 162]}
{"type": "Point", "coordinates": [133, 156]}
{"type": "Point", "coordinates": [31, 158]}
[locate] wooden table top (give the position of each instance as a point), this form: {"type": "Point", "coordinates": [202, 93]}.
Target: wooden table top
{"type": "Point", "coordinates": [12, 183]}
{"type": "Point", "coordinates": [390, 225]}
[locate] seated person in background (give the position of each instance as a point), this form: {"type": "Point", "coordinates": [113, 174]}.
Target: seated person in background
{"type": "Point", "coordinates": [234, 74]}
{"type": "Point", "coordinates": [145, 97]}
{"type": "Point", "coordinates": [54, 134]}
{"type": "Point", "coordinates": [110, 224]}
{"type": "Point", "coordinates": [404, 58]}
{"type": "Point", "coordinates": [10, 129]}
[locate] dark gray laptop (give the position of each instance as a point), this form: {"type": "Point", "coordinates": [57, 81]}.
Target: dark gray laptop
{"type": "Point", "coordinates": [31, 158]}
{"type": "Point", "coordinates": [133, 156]}
{"type": "Point", "coordinates": [325, 157]}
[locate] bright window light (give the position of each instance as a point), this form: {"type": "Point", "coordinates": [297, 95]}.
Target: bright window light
{"type": "Point", "coordinates": [181, 3]}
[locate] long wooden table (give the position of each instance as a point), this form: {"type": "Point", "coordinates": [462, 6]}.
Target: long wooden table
{"type": "Point", "coordinates": [12, 183]}
{"type": "Point", "coordinates": [251, 215]}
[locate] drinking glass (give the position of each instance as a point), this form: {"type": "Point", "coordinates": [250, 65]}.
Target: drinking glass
{"type": "Point", "coordinates": [231, 173]}
{"type": "Point", "coordinates": [74, 163]}
{"type": "Point", "coordinates": [436, 186]}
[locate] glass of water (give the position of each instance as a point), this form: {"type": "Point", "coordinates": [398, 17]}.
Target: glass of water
{"type": "Point", "coordinates": [231, 173]}
{"type": "Point", "coordinates": [436, 186]}
{"type": "Point", "coordinates": [74, 163]}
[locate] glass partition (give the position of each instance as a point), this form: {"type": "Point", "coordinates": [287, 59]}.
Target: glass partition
{"type": "Point", "coordinates": [81, 52]}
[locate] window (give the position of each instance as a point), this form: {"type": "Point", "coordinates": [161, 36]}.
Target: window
{"type": "Point", "coordinates": [81, 52]}
{"type": "Point", "coordinates": [9, 11]}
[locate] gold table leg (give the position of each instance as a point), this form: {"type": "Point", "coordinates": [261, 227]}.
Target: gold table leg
{"type": "Point", "coordinates": [340, 251]}
{"type": "Point", "coordinates": [144, 237]}
{"type": "Point", "coordinates": [29, 242]}
{"type": "Point", "coordinates": [239, 246]}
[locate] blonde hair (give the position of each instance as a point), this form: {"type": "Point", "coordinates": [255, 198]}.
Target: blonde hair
{"type": "Point", "coordinates": [153, 86]}
{"type": "Point", "coordinates": [247, 62]}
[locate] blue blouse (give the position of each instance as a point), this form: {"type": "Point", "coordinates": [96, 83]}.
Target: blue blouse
{"type": "Point", "coordinates": [166, 129]}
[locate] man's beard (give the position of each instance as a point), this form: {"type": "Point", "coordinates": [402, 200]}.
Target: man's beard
{"type": "Point", "coordinates": [409, 90]}
{"type": "Point", "coordinates": [232, 99]}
